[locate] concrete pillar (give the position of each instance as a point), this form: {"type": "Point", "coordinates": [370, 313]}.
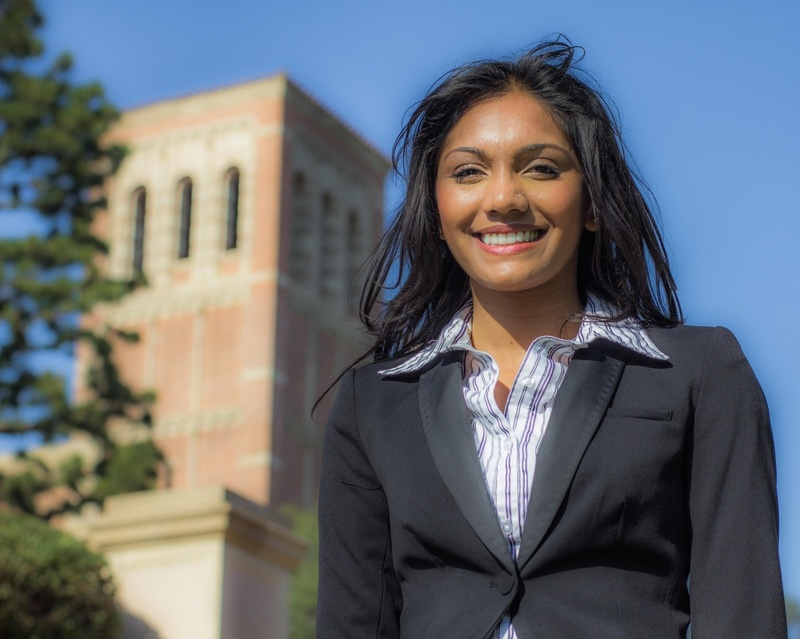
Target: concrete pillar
{"type": "Point", "coordinates": [196, 564]}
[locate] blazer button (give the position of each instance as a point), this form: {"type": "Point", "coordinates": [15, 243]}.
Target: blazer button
{"type": "Point", "coordinates": [507, 583]}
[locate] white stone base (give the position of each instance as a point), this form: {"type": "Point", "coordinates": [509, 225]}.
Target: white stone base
{"type": "Point", "coordinates": [196, 564]}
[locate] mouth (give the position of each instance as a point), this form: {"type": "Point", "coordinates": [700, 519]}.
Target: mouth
{"type": "Point", "coordinates": [515, 237]}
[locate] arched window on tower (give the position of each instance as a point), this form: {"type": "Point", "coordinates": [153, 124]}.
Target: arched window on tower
{"type": "Point", "coordinates": [232, 215]}
{"type": "Point", "coordinates": [301, 229]}
{"type": "Point", "coordinates": [139, 210]}
{"type": "Point", "coordinates": [328, 255]}
{"type": "Point", "coordinates": [185, 192]}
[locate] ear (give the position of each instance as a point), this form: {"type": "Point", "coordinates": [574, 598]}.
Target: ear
{"type": "Point", "coordinates": [591, 220]}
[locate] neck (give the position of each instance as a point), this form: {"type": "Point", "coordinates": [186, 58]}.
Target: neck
{"type": "Point", "coordinates": [505, 323]}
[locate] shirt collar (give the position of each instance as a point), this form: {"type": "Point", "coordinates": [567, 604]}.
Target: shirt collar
{"type": "Point", "coordinates": [627, 332]}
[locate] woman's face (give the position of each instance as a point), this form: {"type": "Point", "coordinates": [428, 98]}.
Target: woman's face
{"type": "Point", "coordinates": [511, 199]}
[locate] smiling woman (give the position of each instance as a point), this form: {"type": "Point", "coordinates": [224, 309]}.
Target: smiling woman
{"type": "Point", "coordinates": [506, 169]}
{"type": "Point", "coordinates": [513, 208]}
{"type": "Point", "coordinates": [541, 448]}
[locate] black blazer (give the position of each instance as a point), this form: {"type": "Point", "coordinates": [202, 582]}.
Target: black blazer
{"type": "Point", "coordinates": [653, 505]}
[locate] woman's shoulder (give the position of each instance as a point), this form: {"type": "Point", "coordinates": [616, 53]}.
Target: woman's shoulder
{"type": "Point", "coordinates": [404, 366]}
{"type": "Point", "coordinates": [388, 369]}
{"type": "Point", "coordinates": [689, 333]}
{"type": "Point", "coordinates": [704, 342]}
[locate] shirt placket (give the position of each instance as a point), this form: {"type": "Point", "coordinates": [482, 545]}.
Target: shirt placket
{"type": "Point", "coordinates": [523, 411]}
{"type": "Point", "coordinates": [497, 448]}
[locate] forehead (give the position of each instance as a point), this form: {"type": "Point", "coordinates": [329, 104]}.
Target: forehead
{"type": "Point", "coordinates": [512, 117]}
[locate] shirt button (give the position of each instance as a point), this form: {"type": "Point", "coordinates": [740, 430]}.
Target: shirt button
{"type": "Point", "coordinates": [507, 527]}
{"type": "Point", "coordinates": [507, 444]}
{"type": "Point", "coordinates": [527, 381]}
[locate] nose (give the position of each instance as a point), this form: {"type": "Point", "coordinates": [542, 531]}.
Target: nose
{"type": "Point", "coordinates": [503, 195]}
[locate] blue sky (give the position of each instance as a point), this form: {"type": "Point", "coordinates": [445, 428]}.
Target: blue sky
{"type": "Point", "coordinates": [709, 94]}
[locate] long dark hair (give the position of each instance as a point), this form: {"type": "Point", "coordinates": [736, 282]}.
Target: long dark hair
{"type": "Point", "coordinates": [624, 262]}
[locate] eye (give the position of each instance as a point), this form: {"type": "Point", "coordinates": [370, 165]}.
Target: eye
{"type": "Point", "coordinates": [466, 174]}
{"type": "Point", "coordinates": [544, 169]}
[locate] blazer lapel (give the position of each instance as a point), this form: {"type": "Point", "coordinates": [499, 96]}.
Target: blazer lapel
{"type": "Point", "coordinates": [590, 382]}
{"type": "Point", "coordinates": [447, 425]}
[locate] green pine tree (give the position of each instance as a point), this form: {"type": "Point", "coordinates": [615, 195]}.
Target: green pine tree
{"type": "Point", "coordinates": [53, 167]}
{"type": "Point", "coordinates": [793, 617]}
{"type": "Point", "coordinates": [303, 591]}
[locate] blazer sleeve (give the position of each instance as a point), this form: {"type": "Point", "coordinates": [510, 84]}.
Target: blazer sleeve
{"type": "Point", "coordinates": [735, 579]}
{"type": "Point", "coordinates": [359, 594]}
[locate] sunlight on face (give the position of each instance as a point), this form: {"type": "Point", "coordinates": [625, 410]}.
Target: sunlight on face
{"type": "Point", "coordinates": [511, 198]}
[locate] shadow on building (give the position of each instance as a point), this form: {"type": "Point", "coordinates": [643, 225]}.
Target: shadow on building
{"type": "Point", "coordinates": [134, 627]}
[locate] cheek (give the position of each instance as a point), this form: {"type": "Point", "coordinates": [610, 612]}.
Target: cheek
{"type": "Point", "coordinates": [456, 206]}
{"type": "Point", "coordinates": [567, 207]}
{"type": "Point", "coordinates": [444, 211]}
{"type": "Point", "coordinates": [447, 205]}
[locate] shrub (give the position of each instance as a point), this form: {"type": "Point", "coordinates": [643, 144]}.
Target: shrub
{"type": "Point", "coordinates": [51, 585]}
{"type": "Point", "coordinates": [303, 593]}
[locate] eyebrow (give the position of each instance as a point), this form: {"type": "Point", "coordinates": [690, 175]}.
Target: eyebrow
{"type": "Point", "coordinates": [529, 148]}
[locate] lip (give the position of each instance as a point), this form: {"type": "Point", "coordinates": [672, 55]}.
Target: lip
{"type": "Point", "coordinates": [508, 228]}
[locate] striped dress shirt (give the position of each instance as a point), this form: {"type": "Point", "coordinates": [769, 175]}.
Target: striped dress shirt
{"type": "Point", "coordinates": [507, 441]}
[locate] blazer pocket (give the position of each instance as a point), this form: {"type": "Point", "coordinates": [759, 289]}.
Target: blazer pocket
{"type": "Point", "coordinates": [641, 412]}
{"type": "Point", "coordinates": [360, 484]}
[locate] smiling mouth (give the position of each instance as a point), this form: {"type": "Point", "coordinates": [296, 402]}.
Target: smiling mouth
{"type": "Point", "coordinates": [518, 237]}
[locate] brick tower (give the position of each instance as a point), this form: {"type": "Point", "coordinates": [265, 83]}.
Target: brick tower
{"type": "Point", "coordinates": [248, 209]}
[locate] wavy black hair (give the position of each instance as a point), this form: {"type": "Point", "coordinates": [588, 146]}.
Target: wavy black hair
{"type": "Point", "coordinates": [623, 262]}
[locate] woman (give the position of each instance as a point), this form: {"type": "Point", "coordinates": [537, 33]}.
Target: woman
{"type": "Point", "coordinates": [540, 450]}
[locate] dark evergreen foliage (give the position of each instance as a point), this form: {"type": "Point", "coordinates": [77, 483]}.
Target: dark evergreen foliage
{"type": "Point", "coordinates": [51, 585]}
{"type": "Point", "coordinates": [53, 166]}
{"type": "Point", "coordinates": [303, 592]}
{"type": "Point", "coordinates": [793, 618]}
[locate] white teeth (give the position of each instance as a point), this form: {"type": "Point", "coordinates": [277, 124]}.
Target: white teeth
{"type": "Point", "coordinates": [499, 239]}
